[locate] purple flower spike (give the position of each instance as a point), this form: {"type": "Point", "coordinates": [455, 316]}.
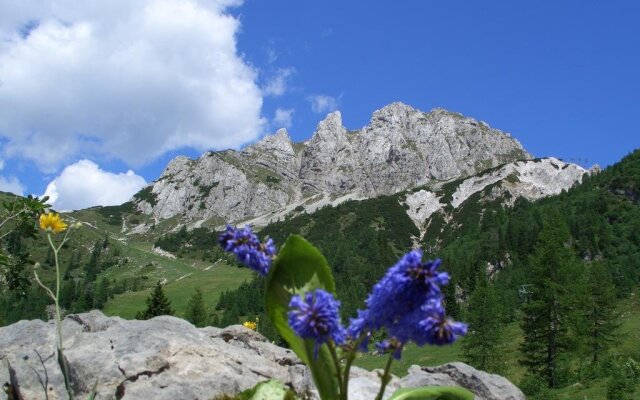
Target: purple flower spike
{"type": "Point", "coordinates": [248, 248]}
{"type": "Point", "coordinates": [316, 317]}
{"type": "Point", "coordinates": [395, 302]}
{"type": "Point", "coordinates": [437, 328]}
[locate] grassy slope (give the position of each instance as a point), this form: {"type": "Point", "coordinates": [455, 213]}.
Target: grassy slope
{"type": "Point", "coordinates": [182, 275]}
{"type": "Point", "coordinates": [212, 283]}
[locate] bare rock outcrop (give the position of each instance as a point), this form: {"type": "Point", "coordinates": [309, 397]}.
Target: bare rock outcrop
{"type": "Point", "coordinates": [168, 358]}
{"type": "Point", "coordinates": [400, 148]}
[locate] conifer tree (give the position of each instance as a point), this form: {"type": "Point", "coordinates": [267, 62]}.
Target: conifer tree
{"type": "Point", "coordinates": [599, 311]}
{"type": "Point", "coordinates": [546, 322]}
{"type": "Point", "coordinates": [196, 312]}
{"type": "Point", "coordinates": [102, 293]}
{"type": "Point", "coordinates": [157, 304]}
{"type": "Point", "coordinates": [481, 346]}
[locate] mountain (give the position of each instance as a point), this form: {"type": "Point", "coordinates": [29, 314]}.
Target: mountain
{"type": "Point", "coordinates": [400, 148]}
{"type": "Point", "coordinates": [488, 224]}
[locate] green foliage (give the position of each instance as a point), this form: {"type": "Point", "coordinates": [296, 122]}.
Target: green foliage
{"type": "Point", "coordinates": [114, 214]}
{"type": "Point", "coordinates": [622, 383]}
{"type": "Point", "coordinates": [196, 312]}
{"type": "Point", "coordinates": [545, 315]}
{"type": "Point", "coordinates": [199, 243]}
{"type": "Point", "coordinates": [157, 304]}
{"type": "Point", "coordinates": [300, 268]}
{"type": "Point", "coordinates": [482, 346]}
{"type": "Point", "coordinates": [267, 390]}
{"type": "Point", "coordinates": [432, 393]}
{"type": "Point", "coordinates": [18, 216]}
{"type": "Point", "coordinates": [599, 312]}
{"type": "Point", "coordinates": [147, 195]}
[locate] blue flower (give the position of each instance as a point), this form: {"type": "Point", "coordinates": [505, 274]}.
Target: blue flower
{"type": "Point", "coordinates": [437, 328]}
{"type": "Point", "coordinates": [395, 302]}
{"type": "Point", "coordinates": [316, 317]}
{"type": "Point", "coordinates": [248, 248]}
{"type": "Point", "coordinates": [390, 346]}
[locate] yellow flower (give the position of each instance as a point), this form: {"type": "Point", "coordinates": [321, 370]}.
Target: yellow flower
{"type": "Point", "coordinates": [251, 325]}
{"type": "Point", "coordinates": [52, 222]}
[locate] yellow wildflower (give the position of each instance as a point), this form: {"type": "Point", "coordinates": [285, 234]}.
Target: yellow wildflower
{"type": "Point", "coordinates": [52, 222]}
{"type": "Point", "coordinates": [251, 325]}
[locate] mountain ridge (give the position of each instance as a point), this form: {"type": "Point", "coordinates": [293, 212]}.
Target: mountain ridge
{"type": "Point", "coordinates": [400, 148]}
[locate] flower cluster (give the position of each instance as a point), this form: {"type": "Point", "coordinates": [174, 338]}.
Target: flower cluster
{"type": "Point", "coordinates": [316, 316]}
{"type": "Point", "coordinates": [407, 303]}
{"type": "Point", "coordinates": [250, 324]}
{"type": "Point", "coordinates": [248, 249]}
{"type": "Point", "coordinates": [52, 222]}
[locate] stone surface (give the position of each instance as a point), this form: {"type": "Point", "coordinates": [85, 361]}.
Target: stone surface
{"type": "Point", "coordinates": [530, 179]}
{"type": "Point", "coordinates": [400, 148]}
{"type": "Point", "coordinates": [168, 358]}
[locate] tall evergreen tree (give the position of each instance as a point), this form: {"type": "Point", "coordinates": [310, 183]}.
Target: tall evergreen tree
{"type": "Point", "coordinates": [103, 290]}
{"type": "Point", "coordinates": [599, 311]}
{"type": "Point", "coordinates": [481, 346]}
{"type": "Point", "coordinates": [546, 322]}
{"type": "Point", "coordinates": [196, 312]}
{"type": "Point", "coordinates": [157, 304]}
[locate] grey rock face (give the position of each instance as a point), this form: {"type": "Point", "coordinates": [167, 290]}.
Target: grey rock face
{"type": "Point", "coordinates": [530, 179]}
{"type": "Point", "coordinates": [168, 358]}
{"type": "Point", "coordinates": [484, 385]}
{"type": "Point", "coordinates": [400, 148]}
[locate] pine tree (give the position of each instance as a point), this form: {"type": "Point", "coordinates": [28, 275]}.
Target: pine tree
{"type": "Point", "coordinates": [196, 312]}
{"type": "Point", "coordinates": [157, 304]}
{"type": "Point", "coordinates": [546, 321]}
{"type": "Point", "coordinates": [102, 293]}
{"type": "Point", "coordinates": [599, 311]}
{"type": "Point", "coordinates": [481, 347]}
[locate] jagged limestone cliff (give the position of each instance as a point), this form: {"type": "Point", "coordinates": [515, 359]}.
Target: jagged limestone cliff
{"type": "Point", "coordinates": [400, 148]}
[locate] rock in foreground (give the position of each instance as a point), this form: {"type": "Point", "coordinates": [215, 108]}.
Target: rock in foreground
{"type": "Point", "coordinates": [168, 358]}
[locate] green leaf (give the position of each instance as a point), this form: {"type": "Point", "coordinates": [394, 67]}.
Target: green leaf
{"type": "Point", "coordinates": [268, 390]}
{"type": "Point", "coordinates": [300, 268]}
{"type": "Point", "coordinates": [432, 393]}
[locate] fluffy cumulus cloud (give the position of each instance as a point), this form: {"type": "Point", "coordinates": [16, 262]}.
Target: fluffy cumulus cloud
{"type": "Point", "coordinates": [283, 117]}
{"type": "Point", "coordinates": [127, 79]}
{"type": "Point", "coordinates": [322, 103]}
{"type": "Point", "coordinates": [12, 185]}
{"type": "Point", "coordinates": [84, 184]}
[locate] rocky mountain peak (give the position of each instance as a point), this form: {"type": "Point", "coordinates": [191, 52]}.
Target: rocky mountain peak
{"type": "Point", "coordinates": [400, 148]}
{"type": "Point", "coordinates": [279, 142]}
{"type": "Point", "coordinates": [394, 114]}
{"type": "Point", "coordinates": [330, 129]}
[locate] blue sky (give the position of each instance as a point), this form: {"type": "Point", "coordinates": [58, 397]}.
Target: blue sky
{"type": "Point", "coordinates": [560, 76]}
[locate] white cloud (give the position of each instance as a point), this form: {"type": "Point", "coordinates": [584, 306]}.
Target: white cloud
{"type": "Point", "coordinates": [277, 84]}
{"type": "Point", "coordinates": [322, 103]}
{"type": "Point", "coordinates": [283, 118]}
{"type": "Point", "coordinates": [83, 184]}
{"type": "Point", "coordinates": [12, 185]}
{"type": "Point", "coordinates": [128, 79]}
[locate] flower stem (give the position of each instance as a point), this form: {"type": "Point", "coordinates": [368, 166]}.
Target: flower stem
{"type": "Point", "coordinates": [334, 355]}
{"type": "Point", "coordinates": [56, 301]}
{"type": "Point", "coordinates": [386, 377]}
{"type": "Point", "coordinates": [344, 392]}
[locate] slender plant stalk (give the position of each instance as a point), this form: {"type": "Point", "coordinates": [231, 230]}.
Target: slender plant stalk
{"type": "Point", "coordinates": [386, 377]}
{"type": "Point", "coordinates": [55, 297]}
{"type": "Point", "coordinates": [344, 391]}
{"type": "Point", "coordinates": [336, 361]}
